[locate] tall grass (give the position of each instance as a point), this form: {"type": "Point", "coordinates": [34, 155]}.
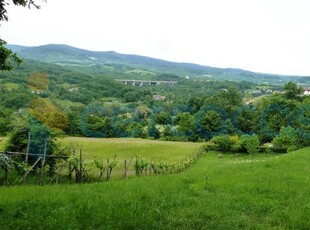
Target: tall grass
{"type": "Point", "coordinates": [232, 192]}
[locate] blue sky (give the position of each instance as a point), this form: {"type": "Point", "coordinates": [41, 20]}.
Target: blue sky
{"type": "Point", "coordinates": [270, 36]}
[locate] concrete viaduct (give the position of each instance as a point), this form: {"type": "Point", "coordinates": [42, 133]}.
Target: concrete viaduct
{"type": "Point", "coordinates": [142, 82]}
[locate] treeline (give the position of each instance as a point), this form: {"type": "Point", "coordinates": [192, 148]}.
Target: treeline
{"type": "Point", "coordinates": [201, 118]}
{"type": "Point", "coordinates": [281, 119]}
{"type": "Point", "coordinates": [74, 103]}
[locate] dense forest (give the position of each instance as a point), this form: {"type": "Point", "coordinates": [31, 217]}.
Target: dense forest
{"type": "Point", "coordinates": [44, 98]}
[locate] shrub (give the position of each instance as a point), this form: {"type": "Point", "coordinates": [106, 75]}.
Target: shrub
{"type": "Point", "coordinates": [248, 144]}
{"type": "Point", "coordinates": [279, 149]}
{"type": "Point", "coordinates": [287, 137]}
{"type": "Point", "coordinates": [223, 143]}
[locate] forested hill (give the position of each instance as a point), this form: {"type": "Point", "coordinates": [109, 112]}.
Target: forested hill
{"type": "Point", "coordinates": [97, 62]}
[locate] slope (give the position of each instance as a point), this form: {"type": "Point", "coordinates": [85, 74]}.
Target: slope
{"type": "Point", "coordinates": [245, 192]}
{"type": "Point", "coordinates": [94, 62]}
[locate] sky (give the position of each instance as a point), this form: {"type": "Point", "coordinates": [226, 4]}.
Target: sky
{"type": "Point", "coordinates": [267, 36]}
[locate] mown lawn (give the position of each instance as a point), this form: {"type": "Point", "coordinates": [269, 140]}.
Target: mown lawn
{"type": "Point", "coordinates": [233, 192]}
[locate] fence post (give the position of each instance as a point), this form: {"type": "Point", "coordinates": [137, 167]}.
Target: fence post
{"type": "Point", "coordinates": [28, 146]}
{"type": "Point", "coordinates": [150, 168]}
{"type": "Point", "coordinates": [125, 169]}
{"type": "Point", "coordinates": [81, 165]}
{"type": "Point", "coordinates": [43, 163]}
{"type": "Point", "coordinates": [108, 169]}
{"type": "Point", "coordinates": [25, 175]}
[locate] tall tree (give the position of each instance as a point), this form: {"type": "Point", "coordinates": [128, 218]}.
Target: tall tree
{"type": "Point", "coordinates": [292, 91]}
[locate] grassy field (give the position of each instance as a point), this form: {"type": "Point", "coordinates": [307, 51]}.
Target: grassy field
{"type": "Point", "coordinates": [233, 192]}
{"type": "Point", "coordinates": [11, 86]}
{"type": "Point", "coordinates": [102, 149]}
{"type": "Point", "coordinates": [65, 103]}
{"type": "Point", "coordinates": [124, 148]}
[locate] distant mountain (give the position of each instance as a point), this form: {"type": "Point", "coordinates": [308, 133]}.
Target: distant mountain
{"type": "Point", "coordinates": [96, 61]}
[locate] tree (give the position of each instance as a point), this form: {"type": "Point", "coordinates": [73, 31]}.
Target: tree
{"type": "Point", "coordinates": [162, 118]}
{"type": "Point", "coordinates": [274, 112]}
{"type": "Point", "coordinates": [185, 123]}
{"type": "Point", "coordinates": [73, 127]}
{"type": "Point", "coordinates": [244, 119]}
{"type": "Point", "coordinates": [195, 104]}
{"type": "Point", "coordinates": [211, 121]}
{"type": "Point", "coordinates": [227, 99]}
{"type": "Point", "coordinates": [152, 130]}
{"type": "Point", "coordinates": [292, 91]}
{"type": "Point", "coordinates": [7, 57]}
{"type": "Point", "coordinates": [4, 120]}
{"type": "Point", "coordinates": [44, 110]}
{"type": "Point", "coordinates": [38, 81]}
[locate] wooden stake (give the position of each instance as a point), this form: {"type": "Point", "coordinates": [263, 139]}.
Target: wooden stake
{"type": "Point", "coordinates": [108, 169]}
{"type": "Point", "coordinates": [125, 169]}
{"type": "Point", "coordinates": [43, 163]}
{"type": "Point", "coordinates": [150, 168]}
{"type": "Point", "coordinates": [25, 175]}
{"type": "Point", "coordinates": [28, 146]}
{"type": "Point", "coordinates": [81, 165]}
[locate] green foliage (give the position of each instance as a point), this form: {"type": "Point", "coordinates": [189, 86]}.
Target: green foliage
{"type": "Point", "coordinates": [5, 115]}
{"type": "Point", "coordinates": [227, 99]}
{"type": "Point", "coordinates": [292, 91]}
{"type": "Point", "coordinates": [153, 131]}
{"type": "Point", "coordinates": [222, 142]}
{"type": "Point", "coordinates": [95, 105]}
{"type": "Point", "coordinates": [15, 99]}
{"type": "Point", "coordinates": [141, 166]}
{"type": "Point", "coordinates": [7, 57]}
{"type": "Point", "coordinates": [287, 137]}
{"type": "Point", "coordinates": [73, 126]}
{"type": "Point", "coordinates": [162, 118]}
{"type": "Point", "coordinates": [244, 119]}
{"type": "Point", "coordinates": [211, 121]}
{"type": "Point", "coordinates": [185, 124]}
{"type": "Point", "coordinates": [5, 165]}
{"type": "Point", "coordinates": [248, 144]}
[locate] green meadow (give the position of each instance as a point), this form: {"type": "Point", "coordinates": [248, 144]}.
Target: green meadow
{"type": "Point", "coordinates": [102, 149]}
{"type": "Point", "coordinates": [262, 191]}
{"type": "Point", "coordinates": [124, 148]}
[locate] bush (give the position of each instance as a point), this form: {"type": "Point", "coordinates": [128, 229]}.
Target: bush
{"type": "Point", "coordinates": [248, 144]}
{"type": "Point", "coordinates": [292, 148]}
{"type": "Point", "coordinates": [279, 149]}
{"type": "Point", "coordinates": [287, 137]}
{"type": "Point", "coordinates": [223, 143]}
{"type": "Point", "coordinates": [210, 146]}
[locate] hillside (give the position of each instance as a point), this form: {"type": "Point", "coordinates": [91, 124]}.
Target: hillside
{"type": "Point", "coordinates": [245, 192]}
{"type": "Point", "coordinates": [97, 62]}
